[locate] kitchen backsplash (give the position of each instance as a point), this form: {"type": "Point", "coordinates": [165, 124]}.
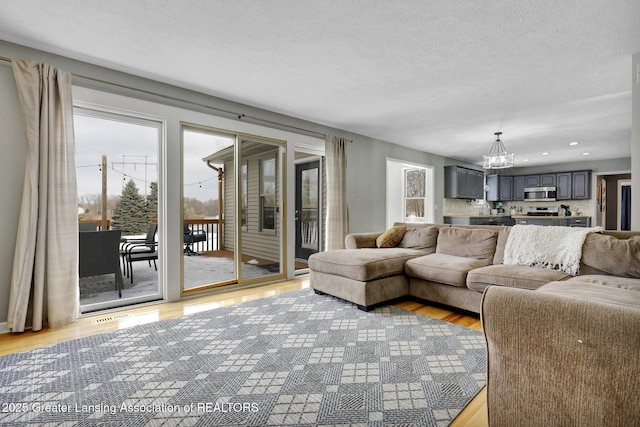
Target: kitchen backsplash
{"type": "Point", "coordinates": [469, 207]}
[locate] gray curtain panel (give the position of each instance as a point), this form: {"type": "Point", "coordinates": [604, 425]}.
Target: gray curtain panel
{"type": "Point", "coordinates": [45, 267]}
{"type": "Point", "coordinates": [337, 213]}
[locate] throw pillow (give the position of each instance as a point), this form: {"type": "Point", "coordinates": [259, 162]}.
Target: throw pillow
{"type": "Point", "coordinates": [619, 257]}
{"type": "Point", "coordinates": [467, 242]}
{"type": "Point", "coordinates": [391, 237]}
{"type": "Point", "coordinates": [423, 238]}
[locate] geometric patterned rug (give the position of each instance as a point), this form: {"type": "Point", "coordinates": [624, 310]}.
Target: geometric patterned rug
{"type": "Point", "coordinates": [296, 359]}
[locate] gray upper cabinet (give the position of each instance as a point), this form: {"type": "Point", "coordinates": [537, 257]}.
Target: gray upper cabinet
{"type": "Point", "coordinates": [580, 185]}
{"type": "Point", "coordinates": [544, 180]}
{"type": "Point", "coordinates": [548, 180]}
{"type": "Point", "coordinates": [463, 183]}
{"type": "Point", "coordinates": [563, 186]}
{"type": "Point", "coordinates": [506, 188]}
{"type": "Point", "coordinates": [500, 188]}
{"type": "Point", "coordinates": [518, 187]}
{"type": "Point", "coordinates": [531, 181]}
{"type": "Point", "coordinates": [573, 185]}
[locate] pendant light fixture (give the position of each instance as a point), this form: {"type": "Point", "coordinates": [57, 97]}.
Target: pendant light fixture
{"type": "Point", "coordinates": [498, 157]}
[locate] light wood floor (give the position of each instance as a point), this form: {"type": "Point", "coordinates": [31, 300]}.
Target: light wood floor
{"type": "Point", "coordinates": [474, 415]}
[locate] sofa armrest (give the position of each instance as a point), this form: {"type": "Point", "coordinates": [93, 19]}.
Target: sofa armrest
{"type": "Point", "coordinates": [557, 360]}
{"type": "Point", "coordinates": [361, 240]}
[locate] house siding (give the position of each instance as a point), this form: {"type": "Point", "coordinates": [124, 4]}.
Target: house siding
{"type": "Point", "coordinates": [255, 243]}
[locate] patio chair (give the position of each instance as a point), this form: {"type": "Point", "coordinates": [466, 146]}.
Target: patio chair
{"type": "Point", "coordinates": [98, 254]}
{"type": "Point", "coordinates": [140, 252]}
{"type": "Point", "coordinates": [192, 236]}
{"type": "Point", "coordinates": [147, 245]}
{"type": "Point", "coordinates": [88, 226]}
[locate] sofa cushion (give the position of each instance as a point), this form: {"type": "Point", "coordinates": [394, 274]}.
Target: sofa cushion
{"type": "Point", "coordinates": [470, 243]}
{"type": "Point", "coordinates": [608, 254]}
{"type": "Point", "coordinates": [501, 244]}
{"type": "Point", "coordinates": [363, 264]}
{"type": "Point", "coordinates": [610, 281]}
{"type": "Point", "coordinates": [424, 238]}
{"type": "Point", "coordinates": [391, 237]}
{"type": "Point", "coordinates": [448, 269]}
{"type": "Point", "coordinates": [514, 276]}
{"type": "Point", "coordinates": [606, 289]}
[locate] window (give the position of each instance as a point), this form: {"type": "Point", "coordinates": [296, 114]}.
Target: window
{"type": "Point", "coordinates": [410, 192]}
{"type": "Point", "coordinates": [414, 194]}
{"type": "Point", "coordinates": [268, 194]}
{"type": "Point", "coordinates": [245, 197]}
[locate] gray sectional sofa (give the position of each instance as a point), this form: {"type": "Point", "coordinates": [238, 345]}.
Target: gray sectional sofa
{"type": "Point", "coordinates": [562, 349]}
{"type": "Point", "coordinates": [453, 265]}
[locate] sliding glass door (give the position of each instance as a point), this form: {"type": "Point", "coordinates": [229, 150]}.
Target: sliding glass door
{"type": "Point", "coordinates": [232, 216]}
{"type": "Point", "coordinates": [117, 176]}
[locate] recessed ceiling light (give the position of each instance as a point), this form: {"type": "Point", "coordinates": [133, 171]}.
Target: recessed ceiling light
{"type": "Point", "coordinates": [574, 143]}
{"type": "Point", "coordinates": [546, 153]}
{"type": "Point", "coordinates": [525, 160]}
{"type": "Point", "coordinates": [586, 153]}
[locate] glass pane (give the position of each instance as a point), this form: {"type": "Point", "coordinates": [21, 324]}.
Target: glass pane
{"type": "Point", "coordinates": [309, 215]}
{"type": "Point", "coordinates": [209, 256]}
{"type": "Point", "coordinates": [117, 182]}
{"type": "Point", "coordinates": [261, 239]}
{"type": "Point", "coordinates": [244, 189]}
{"type": "Point", "coordinates": [414, 209]}
{"type": "Point", "coordinates": [415, 182]}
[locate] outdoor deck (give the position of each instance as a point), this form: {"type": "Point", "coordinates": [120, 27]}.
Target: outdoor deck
{"type": "Point", "coordinates": [211, 265]}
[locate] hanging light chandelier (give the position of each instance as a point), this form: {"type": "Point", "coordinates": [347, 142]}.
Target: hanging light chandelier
{"type": "Point", "coordinates": [498, 157]}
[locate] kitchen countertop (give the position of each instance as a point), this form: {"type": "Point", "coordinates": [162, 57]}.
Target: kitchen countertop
{"type": "Point", "coordinates": [548, 217]}
{"type": "Point", "coordinates": [515, 216]}
{"type": "Point", "coordinates": [477, 216]}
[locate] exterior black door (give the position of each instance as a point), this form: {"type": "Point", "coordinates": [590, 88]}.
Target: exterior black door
{"type": "Point", "coordinates": [307, 209]}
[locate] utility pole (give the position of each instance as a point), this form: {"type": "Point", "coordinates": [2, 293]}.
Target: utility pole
{"type": "Point", "coordinates": [103, 224]}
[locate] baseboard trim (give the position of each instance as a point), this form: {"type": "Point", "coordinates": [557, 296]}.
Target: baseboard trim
{"type": "Point", "coordinates": [3, 328]}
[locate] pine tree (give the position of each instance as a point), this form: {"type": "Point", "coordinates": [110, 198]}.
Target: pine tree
{"type": "Point", "coordinates": [129, 214]}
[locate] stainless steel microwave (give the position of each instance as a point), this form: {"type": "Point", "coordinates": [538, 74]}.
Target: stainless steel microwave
{"type": "Point", "coordinates": [540, 194]}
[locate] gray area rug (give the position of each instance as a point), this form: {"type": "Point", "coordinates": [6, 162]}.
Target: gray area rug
{"type": "Point", "coordinates": [297, 359]}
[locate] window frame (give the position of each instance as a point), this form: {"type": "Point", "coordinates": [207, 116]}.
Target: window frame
{"type": "Point", "coordinates": [406, 198]}
{"type": "Point", "coordinates": [263, 195]}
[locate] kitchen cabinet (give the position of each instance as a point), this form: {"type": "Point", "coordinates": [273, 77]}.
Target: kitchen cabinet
{"type": "Point", "coordinates": [563, 186]}
{"type": "Point", "coordinates": [463, 183]}
{"type": "Point", "coordinates": [548, 180]}
{"type": "Point", "coordinates": [479, 220]}
{"type": "Point", "coordinates": [573, 185]}
{"type": "Point", "coordinates": [543, 180]}
{"type": "Point", "coordinates": [500, 188]}
{"type": "Point", "coordinates": [557, 221]}
{"type": "Point", "coordinates": [581, 185]}
{"type": "Point", "coordinates": [518, 187]}
{"type": "Point", "coordinates": [580, 221]}
{"type": "Point", "coordinates": [572, 221]}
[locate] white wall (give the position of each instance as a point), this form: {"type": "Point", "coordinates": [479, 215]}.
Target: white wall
{"type": "Point", "coordinates": [635, 143]}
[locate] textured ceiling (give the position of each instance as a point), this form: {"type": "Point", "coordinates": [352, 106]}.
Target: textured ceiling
{"type": "Point", "coordinates": [438, 76]}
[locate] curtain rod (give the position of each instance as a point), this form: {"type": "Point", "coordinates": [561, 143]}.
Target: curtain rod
{"type": "Point", "coordinates": [239, 116]}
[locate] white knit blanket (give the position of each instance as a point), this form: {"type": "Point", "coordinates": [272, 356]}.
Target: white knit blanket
{"type": "Point", "coordinates": [557, 248]}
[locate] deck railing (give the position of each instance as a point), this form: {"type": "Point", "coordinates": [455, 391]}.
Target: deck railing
{"type": "Point", "coordinates": [211, 227]}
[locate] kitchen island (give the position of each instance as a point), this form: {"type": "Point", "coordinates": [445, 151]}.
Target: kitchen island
{"type": "Point", "coordinates": [478, 219]}
{"type": "Point", "coordinates": [566, 221]}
